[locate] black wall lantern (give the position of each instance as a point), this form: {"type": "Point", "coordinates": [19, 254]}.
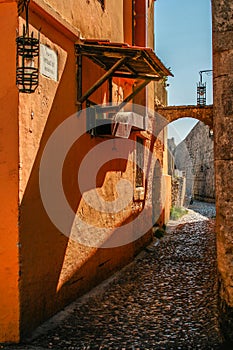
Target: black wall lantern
{"type": "Point", "coordinates": [201, 88]}
{"type": "Point", "coordinates": [27, 70]}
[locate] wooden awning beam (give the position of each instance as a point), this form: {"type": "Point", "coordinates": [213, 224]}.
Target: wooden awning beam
{"type": "Point", "coordinates": [117, 108]}
{"type": "Point", "coordinates": [102, 80]}
{"type": "Point", "coordinates": [119, 60]}
{"type": "Point", "coordinates": [137, 76]}
{"type": "Point", "coordinates": [134, 93]}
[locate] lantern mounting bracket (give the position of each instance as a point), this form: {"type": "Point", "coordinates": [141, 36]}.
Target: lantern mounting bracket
{"type": "Point", "coordinates": [27, 71]}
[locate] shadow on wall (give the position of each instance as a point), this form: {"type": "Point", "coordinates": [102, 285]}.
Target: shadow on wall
{"type": "Point", "coordinates": [54, 270]}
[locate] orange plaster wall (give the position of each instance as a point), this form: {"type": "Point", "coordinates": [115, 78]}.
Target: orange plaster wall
{"type": "Point", "coordinates": [128, 22]}
{"type": "Point", "coordinates": [9, 269]}
{"type": "Point", "coordinates": [42, 246]}
{"type": "Point", "coordinates": [90, 19]}
{"type": "Point", "coordinates": [54, 269]}
{"type": "Point", "coordinates": [150, 43]}
{"type": "Point", "coordinates": [150, 22]}
{"type": "Point", "coordinates": [144, 36]}
{"type": "Point", "coordinates": [140, 21]}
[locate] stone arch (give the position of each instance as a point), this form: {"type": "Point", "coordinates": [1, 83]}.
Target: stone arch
{"type": "Point", "coordinates": [172, 113]}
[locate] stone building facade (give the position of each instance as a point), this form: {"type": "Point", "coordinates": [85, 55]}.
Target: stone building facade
{"type": "Point", "coordinates": [171, 146]}
{"type": "Point", "coordinates": [194, 156]}
{"type": "Point", "coordinates": [222, 13]}
{"type": "Point", "coordinates": [178, 180]}
{"type": "Point", "coordinates": [178, 191]}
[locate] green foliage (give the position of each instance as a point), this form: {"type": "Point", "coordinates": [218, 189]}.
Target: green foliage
{"type": "Point", "coordinates": [177, 212]}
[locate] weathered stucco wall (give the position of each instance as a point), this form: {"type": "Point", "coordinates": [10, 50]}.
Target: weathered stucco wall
{"type": "Point", "coordinates": [150, 43]}
{"type": "Point", "coordinates": [223, 127]}
{"type": "Point", "coordinates": [42, 248]}
{"type": "Point", "coordinates": [97, 22]}
{"type": "Point", "coordinates": [166, 192]}
{"type": "Point", "coordinates": [9, 180]}
{"type": "Point", "coordinates": [42, 269]}
{"type": "Point", "coordinates": [71, 268]}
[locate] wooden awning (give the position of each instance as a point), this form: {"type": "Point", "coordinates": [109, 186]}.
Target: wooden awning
{"type": "Point", "coordinates": [121, 60]}
{"type": "Point", "coordinates": [140, 62]}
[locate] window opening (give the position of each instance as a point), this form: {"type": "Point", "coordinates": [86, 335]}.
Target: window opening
{"type": "Point", "coordinates": [139, 161]}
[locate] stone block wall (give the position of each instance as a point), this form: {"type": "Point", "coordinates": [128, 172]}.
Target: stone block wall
{"type": "Point", "coordinates": [195, 157]}
{"type": "Point", "coordinates": [178, 191]}
{"type": "Point", "coordinates": [222, 11]}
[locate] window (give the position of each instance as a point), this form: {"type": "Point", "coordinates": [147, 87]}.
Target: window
{"type": "Point", "coordinates": [140, 161]}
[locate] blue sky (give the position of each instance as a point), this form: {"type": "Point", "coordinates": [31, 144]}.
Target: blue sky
{"type": "Point", "coordinates": [183, 42]}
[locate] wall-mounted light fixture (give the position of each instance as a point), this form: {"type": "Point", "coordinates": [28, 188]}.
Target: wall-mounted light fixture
{"type": "Point", "coordinates": [201, 88]}
{"type": "Point", "coordinates": [211, 133]}
{"type": "Point", "coordinates": [27, 70]}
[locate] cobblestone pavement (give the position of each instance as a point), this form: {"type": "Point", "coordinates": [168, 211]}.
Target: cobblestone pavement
{"type": "Point", "coordinates": [166, 299]}
{"type": "Point", "coordinates": [198, 211]}
{"type": "Point", "coordinates": [206, 209]}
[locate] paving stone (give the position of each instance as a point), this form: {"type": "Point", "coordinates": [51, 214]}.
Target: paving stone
{"type": "Point", "coordinates": [167, 299]}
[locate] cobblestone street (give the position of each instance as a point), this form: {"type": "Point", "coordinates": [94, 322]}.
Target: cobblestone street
{"type": "Point", "coordinates": [165, 299]}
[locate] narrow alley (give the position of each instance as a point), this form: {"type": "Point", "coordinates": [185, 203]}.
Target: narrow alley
{"type": "Point", "coordinates": [165, 299]}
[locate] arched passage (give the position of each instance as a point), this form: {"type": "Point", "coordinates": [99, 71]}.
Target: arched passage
{"type": "Point", "coordinates": [203, 113]}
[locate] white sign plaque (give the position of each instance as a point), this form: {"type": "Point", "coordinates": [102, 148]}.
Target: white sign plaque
{"type": "Point", "coordinates": [48, 62]}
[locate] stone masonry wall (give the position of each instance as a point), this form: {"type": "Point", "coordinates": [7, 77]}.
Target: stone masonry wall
{"type": "Point", "coordinates": [178, 181]}
{"type": "Point", "coordinates": [222, 11]}
{"type": "Point", "coordinates": [178, 191]}
{"type": "Point", "coordinates": [195, 156]}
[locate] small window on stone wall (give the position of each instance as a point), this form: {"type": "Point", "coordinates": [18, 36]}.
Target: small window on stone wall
{"type": "Point", "coordinates": [140, 161]}
{"type": "Point", "coordinates": [102, 2]}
